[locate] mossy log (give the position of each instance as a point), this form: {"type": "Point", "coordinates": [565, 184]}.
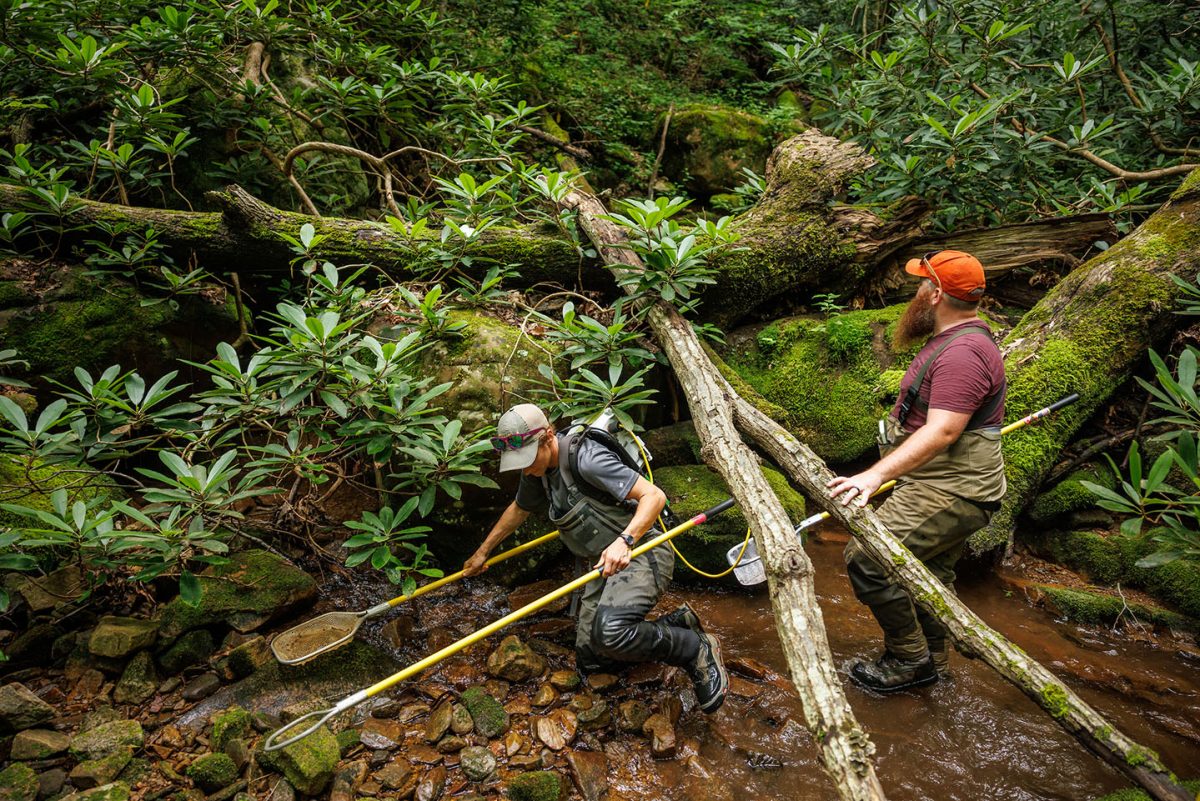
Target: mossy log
{"type": "Point", "coordinates": [845, 749]}
{"type": "Point", "coordinates": [1086, 335]}
{"type": "Point", "coordinates": [1141, 765]}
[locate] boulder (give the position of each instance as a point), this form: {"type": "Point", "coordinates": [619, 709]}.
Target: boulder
{"type": "Point", "coordinates": [193, 648]}
{"type": "Point", "coordinates": [244, 659]}
{"type": "Point", "coordinates": [18, 782]}
{"type": "Point", "coordinates": [117, 791]}
{"type": "Point", "coordinates": [708, 146]}
{"type": "Point", "coordinates": [50, 782]}
{"type": "Point", "coordinates": [118, 637]}
{"type": "Point", "coordinates": [213, 772]}
{"type": "Point", "coordinates": [490, 718]}
{"type": "Point", "coordinates": [232, 724]}
{"type": "Point", "coordinates": [589, 771]}
{"type": "Point", "coordinates": [46, 592]}
{"type": "Point", "coordinates": [308, 764]}
{"type": "Point", "coordinates": [201, 687]}
{"type": "Point", "coordinates": [20, 709]}
{"type": "Point", "coordinates": [139, 681]}
{"type": "Point", "coordinates": [108, 738]}
{"type": "Point", "coordinates": [477, 763]}
{"type": "Point", "coordinates": [98, 772]}
{"type": "Point", "coordinates": [513, 660]}
{"type": "Point", "coordinates": [538, 785]}
{"type": "Point", "coordinates": [251, 589]}
{"type": "Point", "coordinates": [38, 744]}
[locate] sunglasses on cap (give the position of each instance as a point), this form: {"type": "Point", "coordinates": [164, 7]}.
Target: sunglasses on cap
{"type": "Point", "coordinates": [514, 442]}
{"type": "Point", "coordinates": [929, 266]}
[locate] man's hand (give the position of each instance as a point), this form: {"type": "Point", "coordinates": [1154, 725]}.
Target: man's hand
{"type": "Point", "coordinates": [476, 564]}
{"type": "Point", "coordinates": [858, 488]}
{"type": "Point", "coordinates": [614, 559]}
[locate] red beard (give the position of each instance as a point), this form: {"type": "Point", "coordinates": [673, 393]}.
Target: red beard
{"type": "Point", "coordinates": [916, 323]}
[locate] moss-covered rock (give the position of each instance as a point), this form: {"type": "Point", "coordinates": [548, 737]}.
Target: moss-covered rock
{"type": "Point", "coordinates": [192, 648]}
{"type": "Point", "coordinates": [118, 637]}
{"type": "Point", "coordinates": [824, 376]}
{"type": "Point", "coordinates": [66, 319]}
{"type": "Point", "coordinates": [694, 488]}
{"type": "Point", "coordinates": [33, 485]}
{"type": "Point", "coordinates": [490, 718]}
{"type": "Point", "coordinates": [108, 738]}
{"type": "Point", "coordinates": [253, 588]}
{"type": "Point", "coordinates": [117, 791]}
{"type": "Point", "coordinates": [1069, 495]}
{"type": "Point", "coordinates": [676, 444]}
{"type": "Point", "coordinates": [233, 723]}
{"type": "Point", "coordinates": [138, 682]}
{"type": "Point", "coordinates": [213, 772]}
{"type": "Point", "coordinates": [309, 763]}
{"type": "Point", "coordinates": [538, 785]}
{"type": "Point", "coordinates": [707, 147]}
{"type": "Point", "coordinates": [1134, 794]}
{"type": "Point", "coordinates": [98, 772]}
{"type": "Point", "coordinates": [1096, 608]}
{"type": "Point", "coordinates": [18, 782]}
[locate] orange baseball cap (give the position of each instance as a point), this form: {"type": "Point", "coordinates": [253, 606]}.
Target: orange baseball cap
{"type": "Point", "coordinates": [958, 274]}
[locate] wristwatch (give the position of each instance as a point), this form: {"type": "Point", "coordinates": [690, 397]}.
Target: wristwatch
{"type": "Point", "coordinates": [628, 539]}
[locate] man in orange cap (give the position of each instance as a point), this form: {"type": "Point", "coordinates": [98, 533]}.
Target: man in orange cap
{"type": "Point", "coordinates": [941, 443]}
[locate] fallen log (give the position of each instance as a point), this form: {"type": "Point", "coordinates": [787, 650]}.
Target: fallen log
{"type": "Point", "coordinates": [846, 751]}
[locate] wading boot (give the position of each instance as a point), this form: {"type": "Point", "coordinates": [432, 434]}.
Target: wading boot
{"type": "Point", "coordinates": [684, 617]}
{"type": "Point", "coordinates": [939, 652]}
{"type": "Point", "coordinates": [709, 678]}
{"type": "Point", "coordinates": [889, 673]}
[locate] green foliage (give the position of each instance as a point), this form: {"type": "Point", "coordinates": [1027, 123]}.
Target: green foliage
{"type": "Point", "coordinates": [988, 108]}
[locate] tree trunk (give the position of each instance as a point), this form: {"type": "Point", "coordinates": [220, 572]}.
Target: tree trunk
{"type": "Point", "coordinates": [1140, 764]}
{"type": "Point", "coordinates": [846, 751]}
{"type": "Point", "coordinates": [1086, 336]}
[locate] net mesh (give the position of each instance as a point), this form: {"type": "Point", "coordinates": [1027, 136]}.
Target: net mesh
{"type": "Point", "coordinates": [313, 637]}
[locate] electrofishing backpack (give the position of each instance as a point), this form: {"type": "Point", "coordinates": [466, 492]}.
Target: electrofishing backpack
{"type": "Point", "coordinates": [607, 431]}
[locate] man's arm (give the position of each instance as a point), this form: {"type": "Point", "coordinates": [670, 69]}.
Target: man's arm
{"type": "Point", "coordinates": [942, 428]}
{"type": "Point", "coordinates": [650, 502]}
{"type": "Point", "coordinates": [509, 521]}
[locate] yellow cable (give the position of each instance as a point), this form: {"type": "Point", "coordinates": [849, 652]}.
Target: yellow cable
{"type": "Point", "coordinates": [663, 525]}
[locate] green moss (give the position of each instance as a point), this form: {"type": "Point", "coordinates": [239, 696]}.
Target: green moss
{"type": "Point", "coordinates": [1069, 495]}
{"type": "Point", "coordinates": [213, 772]}
{"type": "Point", "coordinates": [1100, 609]}
{"type": "Point", "coordinates": [347, 739]}
{"type": "Point", "coordinates": [232, 724]}
{"type": "Point", "coordinates": [309, 763]}
{"type": "Point", "coordinates": [192, 648]}
{"type": "Point", "coordinates": [1055, 701]}
{"type": "Point", "coordinates": [709, 146]}
{"type": "Point", "coordinates": [1139, 756]}
{"type": "Point", "coordinates": [34, 487]}
{"type": "Point", "coordinates": [1133, 794]}
{"type": "Point", "coordinates": [18, 781]}
{"type": "Point", "coordinates": [692, 489]}
{"type": "Point", "coordinates": [539, 785]}
{"type": "Point", "coordinates": [490, 718]}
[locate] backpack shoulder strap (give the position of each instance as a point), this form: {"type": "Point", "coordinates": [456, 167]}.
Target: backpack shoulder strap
{"type": "Point", "coordinates": [913, 396]}
{"type": "Point", "coordinates": [569, 461]}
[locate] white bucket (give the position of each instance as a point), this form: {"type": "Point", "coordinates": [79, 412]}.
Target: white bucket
{"type": "Point", "coordinates": [749, 569]}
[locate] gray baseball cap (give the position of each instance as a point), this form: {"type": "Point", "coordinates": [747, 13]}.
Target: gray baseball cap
{"type": "Point", "coordinates": [520, 419]}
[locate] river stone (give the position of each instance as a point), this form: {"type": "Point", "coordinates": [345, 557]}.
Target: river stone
{"type": "Point", "coordinates": [201, 687]}
{"type": "Point", "coordinates": [20, 709]}
{"type": "Point", "coordinates": [309, 763]}
{"type": "Point", "coordinates": [565, 680]}
{"type": "Point", "coordinates": [460, 720]}
{"type": "Point", "coordinates": [380, 733]}
{"type": "Point", "coordinates": [477, 763]}
{"type": "Point", "coordinates": [632, 715]}
{"type": "Point", "coordinates": [233, 723]}
{"type": "Point", "coordinates": [245, 659]}
{"type": "Point", "coordinates": [595, 716]}
{"type": "Point", "coordinates": [50, 782]}
{"type": "Point", "coordinates": [107, 738]}
{"type": "Point", "coordinates": [118, 637]}
{"type": "Point", "coordinates": [398, 775]}
{"type": "Point", "coordinates": [117, 791]}
{"type": "Point", "coordinates": [662, 736]}
{"type": "Point", "coordinates": [589, 771]}
{"type": "Point", "coordinates": [237, 750]}
{"type": "Point", "coordinates": [193, 648]}
{"type": "Point", "coordinates": [490, 718]}
{"type": "Point", "coordinates": [523, 596]}
{"type": "Point", "coordinates": [32, 644]}
{"type": "Point", "coordinates": [251, 589]}
{"type": "Point", "coordinates": [38, 744]}
{"type": "Point", "coordinates": [138, 682]}
{"type": "Point", "coordinates": [98, 717]}
{"type": "Point", "coordinates": [526, 761]}
{"type": "Point", "coordinates": [439, 721]}
{"type": "Point", "coordinates": [451, 743]}
{"type": "Point", "coordinates": [97, 772]}
{"type": "Point", "coordinates": [540, 785]}
{"type": "Point", "coordinates": [513, 660]}
{"type": "Point", "coordinates": [602, 682]}
{"type": "Point", "coordinates": [282, 791]}
{"type": "Point", "coordinates": [544, 696]}
{"type": "Point", "coordinates": [347, 780]}
{"type": "Point", "coordinates": [18, 782]}
{"type": "Point", "coordinates": [213, 772]}
{"type": "Point", "coordinates": [431, 785]}
{"type": "Point", "coordinates": [46, 592]}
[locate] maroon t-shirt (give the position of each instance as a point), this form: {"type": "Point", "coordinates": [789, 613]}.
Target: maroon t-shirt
{"type": "Point", "coordinates": [962, 378]}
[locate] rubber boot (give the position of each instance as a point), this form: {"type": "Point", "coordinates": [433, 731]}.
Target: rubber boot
{"type": "Point", "coordinates": [684, 617]}
{"type": "Point", "coordinates": [939, 653]}
{"type": "Point", "coordinates": [890, 673]}
{"type": "Point", "coordinates": [709, 679]}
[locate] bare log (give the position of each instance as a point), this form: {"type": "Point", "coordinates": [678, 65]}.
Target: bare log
{"type": "Point", "coordinates": [846, 751]}
{"type": "Point", "coordinates": [1141, 765]}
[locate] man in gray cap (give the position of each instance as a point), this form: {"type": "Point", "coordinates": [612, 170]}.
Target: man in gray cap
{"type": "Point", "coordinates": [602, 507]}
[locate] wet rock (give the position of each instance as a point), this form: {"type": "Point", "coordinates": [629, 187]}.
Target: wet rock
{"type": "Point", "coordinates": [589, 771]}
{"type": "Point", "coordinates": [32, 645]}
{"type": "Point", "coordinates": [518, 706]}
{"type": "Point", "coordinates": [702, 785]}
{"type": "Point", "coordinates": [741, 688]}
{"type": "Point", "coordinates": [38, 744]}
{"type": "Point", "coordinates": [309, 763]}
{"type": "Point", "coordinates": [497, 689]}
{"type": "Point", "coordinates": [550, 650]}
{"type": "Point", "coordinates": [381, 734]}
{"type": "Point", "coordinates": [439, 638]}
{"type": "Point", "coordinates": [88, 685]}
{"type": "Point", "coordinates": [451, 744]}
{"type": "Point", "coordinates": [50, 782]}
{"type": "Point", "coordinates": [98, 717]}
{"type": "Point", "coordinates": [347, 781]}
{"type": "Point", "coordinates": [108, 738]}
{"type": "Point", "coordinates": [138, 682]}
{"type": "Point", "coordinates": [540, 785]}
{"type": "Point", "coordinates": [526, 762]}
{"type": "Point", "coordinates": [545, 696]}
{"type": "Point", "coordinates": [98, 772]}
{"type": "Point", "coordinates": [595, 717]}
{"type": "Point", "coordinates": [118, 637]}
{"type": "Point", "coordinates": [644, 673]}
{"type": "Point", "coordinates": [254, 587]}
{"type": "Point", "coordinates": [439, 721]}
{"type": "Point", "coordinates": [460, 720]}
{"type": "Point", "coordinates": [20, 709]}
{"type": "Point", "coordinates": [282, 791]}
{"type": "Point", "coordinates": [398, 775]}
{"type": "Point", "coordinates": [672, 708]}
{"type": "Point", "coordinates": [18, 782]}
{"type": "Point", "coordinates": [632, 715]}
{"type": "Point", "coordinates": [662, 736]}
{"type": "Point", "coordinates": [230, 724]}
{"type": "Point", "coordinates": [237, 750]}
{"type": "Point", "coordinates": [523, 596]}
{"type": "Point", "coordinates": [515, 661]}
{"type": "Point", "coordinates": [750, 668]}
{"type": "Point", "coordinates": [170, 685]}
{"type": "Point", "coordinates": [201, 687]}
{"type": "Point", "coordinates": [556, 730]}
{"type": "Point", "coordinates": [431, 785]}
{"type": "Point", "coordinates": [399, 630]}
{"type": "Point", "coordinates": [477, 763]}
{"type": "Point", "coordinates": [117, 791]}
{"type": "Point", "coordinates": [245, 659]}
{"type": "Point", "coordinates": [193, 648]}
{"type": "Point", "coordinates": [46, 592]}
{"type": "Point", "coordinates": [411, 711]}
{"type": "Point", "coordinates": [421, 754]}
{"type": "Point", "coordinates": [565, 680]}
{"type": "Point", "coordinates": [489, 716]}
{"type": "Point", "coordinates": [602, 682]}
{"type": "Point", "coordinates": [559, 628]}
{"type": "Point", "coordinates": [513, 742]}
